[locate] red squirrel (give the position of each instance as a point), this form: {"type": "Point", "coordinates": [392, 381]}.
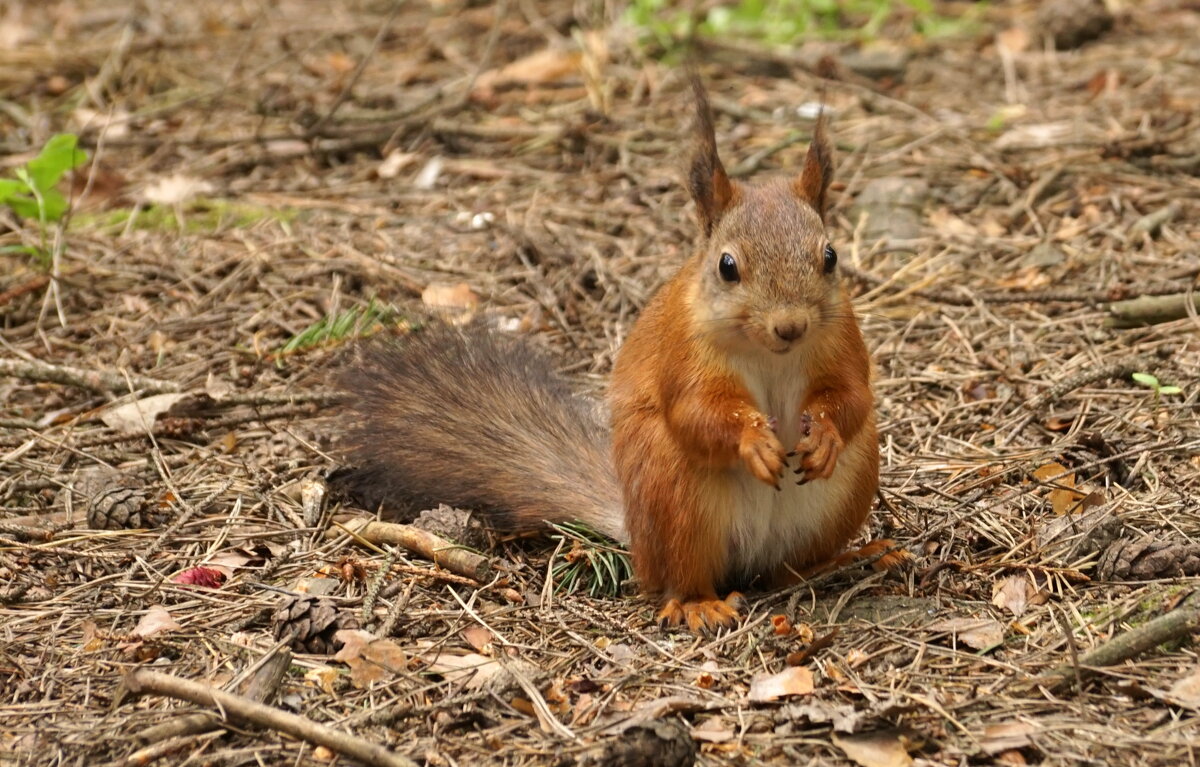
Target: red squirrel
{"type": "Point", "coordinates": [739, 442]}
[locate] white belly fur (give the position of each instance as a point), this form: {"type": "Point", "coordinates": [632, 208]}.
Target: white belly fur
{"type": "Point", "coordinates": [770, 525]}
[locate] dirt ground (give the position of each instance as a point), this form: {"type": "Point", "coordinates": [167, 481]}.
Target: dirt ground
{"type": "Point", "coordinates": [261, 167]}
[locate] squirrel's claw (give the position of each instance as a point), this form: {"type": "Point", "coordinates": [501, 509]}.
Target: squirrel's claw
{"type": "Point", "coordinates": [763, 455]}
{"type": "Point", "coordinates": [818, 449]}
{"type": "Point", "coordinates": [702, 615]}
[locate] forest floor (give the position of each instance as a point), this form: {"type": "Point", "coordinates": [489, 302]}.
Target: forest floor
{"type": "Point", "coordinates": [270, 178]}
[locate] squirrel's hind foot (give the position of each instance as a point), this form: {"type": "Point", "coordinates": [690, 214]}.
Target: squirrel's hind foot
{"type": "Point", "coordinates": [703, 615]}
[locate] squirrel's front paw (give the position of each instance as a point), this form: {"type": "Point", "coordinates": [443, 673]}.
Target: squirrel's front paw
{"type": "Point", "coordinates": [762, 452]}
{"type": "Point", "coordinates": [818, 448]}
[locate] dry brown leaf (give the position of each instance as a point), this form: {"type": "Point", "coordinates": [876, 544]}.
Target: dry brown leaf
{"type": "Point", "coordinates": [947, 223]}
{"type": "Point", "coordinates": [395, 162]}
{"type": "Point", "coordinates": [714, 730]}
{"type": "Point", "coordinates": [175, 189]}
{"type": "Point", "coordinates": [478, 637]}
{"type": "Point", "coordinates": [874, 749]}
{"type": "Point", "coordinates": [1006, 736]}
{"type": "Point", "coordinates": [1013, 40]}
{"type": "Point", "coordinates": [138, 416]}
{"type": "Point", "coordinates": [370, 659]}
{"type": "Point", "coordinates": [1063, 497]}
{"type": "Point", "coordinates": [473, 669]}
{"type": "Point", "coordinates": [1013, 593]}
{"type": "Point", "coordinates": [977, 633]}
{"type": "Point", "coordinates": [455, 298]}
{"type": "Point", "coordinates": [156, 621]}
{"type": "Point", "coordinates": [1186, 691]}
{"type": "Point", "coordinates": [793, 680]}
{"type": "Point", "coordinates": [323, 677]}
{"type": "Point", "coordinates": [1028, 278]}
{"type": "Point", "coordinates": [544, 66]}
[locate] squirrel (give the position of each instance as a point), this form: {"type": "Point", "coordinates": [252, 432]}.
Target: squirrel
{"type": "Point", "coordinates": [738, 445]}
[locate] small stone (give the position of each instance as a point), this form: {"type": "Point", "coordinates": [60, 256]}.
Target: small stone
{"type": "Point", "coordinates": [1071, 23]}
{"type": "Point", "coordinates": [1043, 254]}
{"type": "Point", "coordinates": [878, 60]}
{"type": "Point", "coordinates": [893, 208]}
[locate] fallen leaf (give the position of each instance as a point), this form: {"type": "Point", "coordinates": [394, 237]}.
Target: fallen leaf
{"type": "Point", "coordinates": [793, 680]}
{"type": "Point", "coordinates": [947, 223]}
{"type": "Point", "coordinates": [478, 637]}
{"type": "Point", "coordinates": [156, 621]}
{"type": "Point", "coordinates": [856, 657]}
{"type": "Point", "coordinates": [205, 577]}
{"type": "Point", "coordinates": [713, 730]}
{"type": "Point", "coordinates": [1006, 736]}
{"type": "Point", "coordinates": [472, 669]}
{"type": "Point", "coordinates": [977, 633]}
{"type": "Point", "coordinates": [370, 659]}
{"type": "Point", "coordinates": [1063, 497]}
{"type": "Point", "coordinates": [1186, 691]}
{"type": "Point", "coordinates": [1012, 594]}
{"type": "Point", "coordinates": [323, 677]}
{"type": "Point", "coordinates": [442, 296]}
{"type": "Point", "coordinates": [92, 640]}
{"type": "Point", "coordinates": [175, 189]}
{"type": "Point", "coordinates": [1013, 40]}
{"type": "Point", "coordinates": [395, 162]}
{"type": "Point", "coordinates": [874, 749]}
{"type": "Point", "coordinates": [544, 66]}
{"type": "Point", "coordinates": [1027, 278]}
{"type": "Point", "coordinates": [138, 416]}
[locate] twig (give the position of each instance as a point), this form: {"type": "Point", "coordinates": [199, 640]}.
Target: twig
{"type": "Point", "coordinates": [241, 709]}
{"type": "Point", "coordinates": [1122, 369]}
{"type": "Point", "coordinates": [101, 381]}
{"type": "Point", "coordinates": [260, 687]}
{"type": "Point", "coordinates": [1175, 624]}
{"type": "Point", "coordinates": [434, 548]}
{"type": "Point", "coordinates": [966, 298]}
{"type": "Point", "coordinates": [1151, 310]}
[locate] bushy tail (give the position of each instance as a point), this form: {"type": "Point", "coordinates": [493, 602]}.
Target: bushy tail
{"type": "Point", "coordinates": [478, 419]}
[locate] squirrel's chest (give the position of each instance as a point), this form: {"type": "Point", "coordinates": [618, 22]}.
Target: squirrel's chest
{"type": "Point", "coordinates": [768, 526]}
{"type": "Point", "coordinates": [778, 390]}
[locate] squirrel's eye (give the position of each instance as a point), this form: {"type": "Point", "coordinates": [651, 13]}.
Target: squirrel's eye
{"type": "Point", "coordinates": [728, 268]}
{"type": "Point", "coordinates": [830, 258]}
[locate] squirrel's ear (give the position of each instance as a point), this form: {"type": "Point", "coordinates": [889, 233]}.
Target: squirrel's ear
{"type": "Point", "coordinates": [813, 181]}
{"type": "Point", "coordinates": [707, 181]}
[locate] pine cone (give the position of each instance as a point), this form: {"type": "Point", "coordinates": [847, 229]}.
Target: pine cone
{"type": "Point", "coordinates": [1146, 558]}
{"type": "Point", "coordinates": [114, 501]}
{"type": "Point", "coordinates": [310, 624]}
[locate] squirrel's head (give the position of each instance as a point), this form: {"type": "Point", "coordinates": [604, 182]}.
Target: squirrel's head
{"type": "Point", "coordinates": [767, 270]}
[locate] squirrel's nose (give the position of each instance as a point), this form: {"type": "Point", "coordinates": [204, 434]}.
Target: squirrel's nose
{"type": "Point", "coordinates": [790, 330]}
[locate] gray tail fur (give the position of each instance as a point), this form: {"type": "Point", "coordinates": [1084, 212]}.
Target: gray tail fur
{"type": "Point", "coordinates": [478, 419]}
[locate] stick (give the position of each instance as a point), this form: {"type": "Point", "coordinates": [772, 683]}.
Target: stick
{"type": "Point", "coordinates": [102, 381]}
{"type": "Point", "coordinates": [434, 548]}
{"type": "Point", "coordinates": [1150, 310]}
{"type": "Point", "coordinates": [1175, 624]}
{"type": "Point", "coordinates": [236, 707]}
{"type": "Point", "coordinates": [260, 688]}
{"type": "Point", "coordinates": [1119, 370]}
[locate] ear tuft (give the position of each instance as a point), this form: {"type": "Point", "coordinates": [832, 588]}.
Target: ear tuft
{"type": "Point", "coordinates": [707, 180]}
{"type": "Point", "coordinates": [813, 182]}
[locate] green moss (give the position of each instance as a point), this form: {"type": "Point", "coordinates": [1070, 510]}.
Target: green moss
{"type": "Point", "coordinates": [787, 22]}
{"type": "Point", "coordinates": [200, 216]}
